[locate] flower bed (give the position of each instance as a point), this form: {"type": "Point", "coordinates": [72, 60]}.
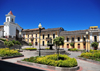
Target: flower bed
{"type": "Point", "coordinates": [93, 54]}
{"type": "Point", "coordinates": [30, 49]}
{"type": "Point", "coordinates": [73, 49]}
{"type": "Point", "coordinates": [64, 60]}
{"type": "Point", "coordinates": [5, 52]}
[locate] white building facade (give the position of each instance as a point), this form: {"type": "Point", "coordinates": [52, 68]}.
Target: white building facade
{"type": "Point", "coordinates": [10, 28]}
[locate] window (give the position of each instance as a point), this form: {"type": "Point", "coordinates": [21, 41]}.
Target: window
{"type": "Point", "coordinates": [83, 38]}
{"type": "Point", "coordinates": [23, 35]}
{"type": "Point", "coordinates": [43, 36]}
{"type": "Point", "coordinates": [95, 38]}
{"type": "Point", "coordinates": [32, 35]}
{"type": "Point", "coordinates": [47, 41]}
{"type": "Point", "coordinates": [72, 38]}
{"type": "Point", "coordinates": [53, 35]}
{"type": "Point", "coordinates": [48, 35]}
{"type": "Point", "coordinates": [12, 20]}
{"type": "Point", "coordinates": [78, 38]}
{"type": "Point", "coordinates": [67, 39]}
{"type": "Point", "coordinates": [78, 45]}
{"type": "Point", "coordinates": [7, 19]}
{"type": "Point", "coordinates": [43, 43]}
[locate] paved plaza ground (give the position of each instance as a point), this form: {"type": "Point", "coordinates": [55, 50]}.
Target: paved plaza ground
{"type": "Point", "coordinates": [86, 66]}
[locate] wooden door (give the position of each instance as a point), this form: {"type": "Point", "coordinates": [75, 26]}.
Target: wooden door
{"type": "Point", "coordinates": [78, 45]}
{"type": "Point", "coordinates": [67, 45]}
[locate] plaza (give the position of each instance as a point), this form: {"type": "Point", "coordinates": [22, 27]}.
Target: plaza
{"type": "Point", "coordinates": [41, 37]}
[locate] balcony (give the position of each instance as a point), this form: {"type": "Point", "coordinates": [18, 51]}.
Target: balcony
{"type": "Point", "coordinates": [72, 41]}
{"type": "Point", "coordinates": [48, 39]}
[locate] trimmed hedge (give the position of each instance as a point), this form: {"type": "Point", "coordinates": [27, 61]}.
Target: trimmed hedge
{"type": "Point", "coordinates": [93, 54]}
{"type": "Point", "coordinates": [30, 49]}
{"type": "Point", "coordinates": [4, 52]}
{"type": "Point", "coordinates": [2, 39]}
{"type": "Point", "coordinates": [73, 49]}
{"type": "Point", "coordinates": [47, 48]}
{"type": "Point", "coordinates": [64, 60]}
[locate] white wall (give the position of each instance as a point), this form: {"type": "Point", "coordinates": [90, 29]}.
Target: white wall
{"type": "Point", "coordinates": [1, 34]}
{"type": "Point", "coordinates": [12, 30]}
{"type": "Point", "coordinates": [6, 29]}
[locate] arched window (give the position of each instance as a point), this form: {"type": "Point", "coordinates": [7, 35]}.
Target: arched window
{"type": "Point", "coordinates": [12, 20]}
{"type": "Point", "coordinates": [78, 45]}
{"type": "Point", "coordinates": [7, 19]}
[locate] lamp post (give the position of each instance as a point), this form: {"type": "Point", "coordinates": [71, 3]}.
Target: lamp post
{"type": "Point", "coordinates": [87, 40]}
{"type": "Point", "coordinates": [39, 37]}
{"type": "Point", "coordinates": [20, 34]}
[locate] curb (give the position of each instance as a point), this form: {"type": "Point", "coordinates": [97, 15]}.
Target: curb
{"type": "Point", "coordinates": [50, 67]}
{"type": "Point", "coordinates": [1, 58]}
{"type": "Point", "coordinates": [89, 60]}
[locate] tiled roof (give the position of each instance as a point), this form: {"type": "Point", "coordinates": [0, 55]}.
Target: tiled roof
{"type": "Point", "coordinates": [1, 26]}
{"type": "Point", "coordinates": [72, 32]}
{"type": "Point", "coordinates": [51, 29]}
{"type": "Point", "coordinates": [11, 13]}
{"type": "Point", "coordinates": [27, 30]}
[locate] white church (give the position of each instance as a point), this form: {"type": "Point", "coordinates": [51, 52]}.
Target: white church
{"type": "Point", "coordinates": [10, 29]}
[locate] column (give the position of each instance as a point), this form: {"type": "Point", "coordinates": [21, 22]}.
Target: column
{"type": "Point", "coordinates": [81, 37]}
{"type": "Point", "coordinates": [91, 40]}
{"type": "Point", "coordinates": [99, 40]}
{"type": "Point", "coordinates": [75, 39]}
{"type": "Point", "coordinates": [65, 39]}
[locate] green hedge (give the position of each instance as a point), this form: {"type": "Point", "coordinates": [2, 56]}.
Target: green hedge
{"type": "Point", "coordinates": [2, 39]}
{"type": "Point", "coordinates": [30, 49]}
{"type": "Point", "coordinates": [73, 49]}
{"type": "Point", "coordinates": [4, 52]}
{"type": "Point", "coordinates": [93, 54]}
{"type": "Point", "coordinates": [64, 60]}
{"type": "Point", "coordinates": [47, 48]}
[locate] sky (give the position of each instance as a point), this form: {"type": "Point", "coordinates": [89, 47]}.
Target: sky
{"type": "Point", "coordinates": [68, 14]}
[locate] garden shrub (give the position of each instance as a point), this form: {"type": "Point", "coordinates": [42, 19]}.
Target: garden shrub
{"type": "Point", "coordinates": [30, 49]}
{"type": "Point", "coordinates": [14, 41]}
{"type": "Point", "coordinates": [30, 44]}
{"type": "Point", "coordinates": [47, 48]}
{"type": "Point", "coordinates": [73, 49]}
{"type": "Point", "coordinates": [93, 54]}
{"type": "Point", "coordinates": [2, 39]}
{"type": "Point", "coordinates": [51, 60]}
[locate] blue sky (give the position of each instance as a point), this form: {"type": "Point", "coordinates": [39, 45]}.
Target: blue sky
{"type": "Point", "coordinates": [69, 14]}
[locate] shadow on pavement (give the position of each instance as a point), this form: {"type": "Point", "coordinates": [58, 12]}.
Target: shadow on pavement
{"type": "Point", "coordinates": [7, 66]}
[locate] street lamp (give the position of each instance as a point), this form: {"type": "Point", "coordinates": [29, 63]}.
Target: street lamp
{"type": "Point", "coordinates": [40, 26]}
{"type": "Point", "coordinates": [87, 40]}
{"type": "Point", "coordinates": [20, 34]}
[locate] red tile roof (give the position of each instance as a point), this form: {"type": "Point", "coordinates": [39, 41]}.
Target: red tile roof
{"type": "Point", "coordinates": [11, 13]}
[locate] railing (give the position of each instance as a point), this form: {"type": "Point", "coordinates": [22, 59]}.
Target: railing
{"type": "Point", "coordinates": [47, 39]}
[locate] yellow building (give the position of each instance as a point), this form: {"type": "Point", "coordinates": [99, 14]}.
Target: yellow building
{"type": "Point", "coordinates": [82, 39]}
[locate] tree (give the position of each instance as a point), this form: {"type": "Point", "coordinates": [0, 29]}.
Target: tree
{"type": "Point", "coordinates": [9, 44]}
{"type": "Point", "coordinates": [58, 41]}
{"type": "Point", "coordinates": [18, 43]}
{"type": "Point", "coordinates": [95, 45]}
{"type": "Point", "coordinates": [72, 44]}
{"type": "Point", "coordinates": [30, 44]}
